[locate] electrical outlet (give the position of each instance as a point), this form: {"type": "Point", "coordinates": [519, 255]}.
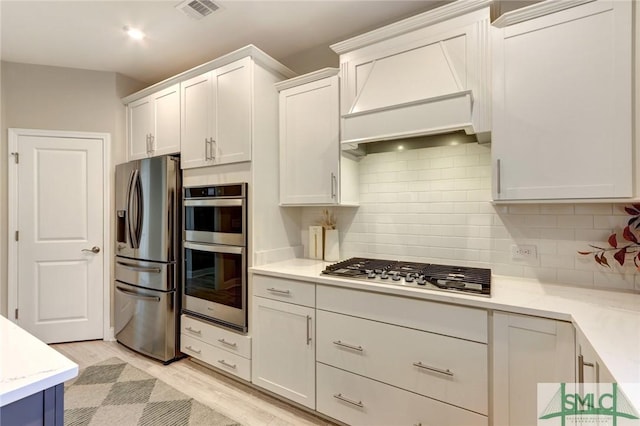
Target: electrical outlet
{"type": "Point", "coordinates": [524, 251]}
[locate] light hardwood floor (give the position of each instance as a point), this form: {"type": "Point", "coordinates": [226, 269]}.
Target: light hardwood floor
{"type": "Point", "coordinates": [234, 399]}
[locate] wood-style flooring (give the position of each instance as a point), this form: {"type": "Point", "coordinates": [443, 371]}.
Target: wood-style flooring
{"type": "Point", "coordinates": [232, 398]}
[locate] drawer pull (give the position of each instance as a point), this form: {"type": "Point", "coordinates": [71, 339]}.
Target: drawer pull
{"type": "Point", "coordinates": [193, 330]}
{"type": "Point", "coordinates": [231, 344]}
{"type": "Point", "coordinates": [308, 330]}
{"type": "Point", "coordinates": [446, 372]}
{"type": "Point", "coordinates": [194, 350]}
{"type": "Point", "coordinates": [348, 346]}
{"type": "Point", "coordinates": [349, 401]}
{"type": "Point", "coordinates": [275, 290]}
{"type": "Point", "coordinates": [226, 364]}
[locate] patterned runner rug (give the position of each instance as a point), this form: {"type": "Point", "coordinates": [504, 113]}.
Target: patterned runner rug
{"type": "Point", "coordinates": [115, 393]}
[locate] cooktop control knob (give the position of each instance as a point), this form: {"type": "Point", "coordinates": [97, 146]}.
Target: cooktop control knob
{"type": "Point", "coordinates": [371, 275]}
{"type": "Point", "coordinates": [383, 275]}
{"type": "Point", "coordinates": [396, 276]}
{"type": "Point", "coordinates": [420, 280]}
{"type": "Point", "coordinates": [409, 278]}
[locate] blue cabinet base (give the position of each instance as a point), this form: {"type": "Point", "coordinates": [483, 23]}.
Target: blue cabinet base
{"type": "Point", "coordinates": [44, 408]}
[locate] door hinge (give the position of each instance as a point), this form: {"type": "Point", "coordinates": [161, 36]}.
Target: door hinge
{"type": "Point", "coordinates": [17, 235]}
{"type": "Point", "coordinates": [16, 313]}
{"type": "Point", "coordinates": [16, 157]}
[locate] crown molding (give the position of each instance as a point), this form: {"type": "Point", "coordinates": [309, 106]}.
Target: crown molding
{"type": "Point", "coordinates": [307, 78]}
{"type": "Point", "coordinates": [535, 11]}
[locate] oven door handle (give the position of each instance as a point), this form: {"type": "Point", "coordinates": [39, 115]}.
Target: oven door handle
{"type": "Point", "coordinates": [229, 202]}
{"type": "Point", "coordinates": [214, 248]}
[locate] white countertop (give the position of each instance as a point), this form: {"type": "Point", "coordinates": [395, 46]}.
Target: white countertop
{"type": "Point", "coordinates": [609, 320]}
{"type": "Point", "coordinates": [27, 365]}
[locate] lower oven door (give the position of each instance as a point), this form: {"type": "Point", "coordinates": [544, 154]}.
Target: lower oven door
{"type": "Point", "coordinates": [215, 283]}
{"type": "Point", "coordinates": [145, 320]}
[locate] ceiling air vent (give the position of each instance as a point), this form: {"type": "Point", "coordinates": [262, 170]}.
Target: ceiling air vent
{"type": "Point", "coordinates": [197, 9]}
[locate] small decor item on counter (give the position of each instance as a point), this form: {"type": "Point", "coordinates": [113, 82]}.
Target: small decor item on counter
{"type": "Point", "coordinates": [629, 245]}
{"type": "Point", "coordinates": [331, 236]}
{"type": "Point", "coordinates": [331, 245]}
{"type": "Point", "coordinates": [316, 240]}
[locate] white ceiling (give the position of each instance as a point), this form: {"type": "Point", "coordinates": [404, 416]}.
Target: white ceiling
{"type": "Point", "coordinates": [89, 34]}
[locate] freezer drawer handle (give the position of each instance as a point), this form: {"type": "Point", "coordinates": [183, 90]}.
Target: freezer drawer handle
{"type": "Point", "coordinates": [137, 295]}
{"type": "Point", "coordinates": [231, 344]}
{"type": "Point", "coordinates": [226, 364]}
{"type": "Point", "coordinates": [349, 401]}
{"type": "Point", "coordinates": [446, 372]}
{"type": "Point", "coordinates": [139, 268]}
{"type": "Point", "coordinates": [193, 330]}
{"type": "Point", "coordinates": [193, 350]}
{"type": "Point", "coordinates": [348, 346]}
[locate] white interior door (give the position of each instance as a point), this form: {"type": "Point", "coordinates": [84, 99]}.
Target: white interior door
{"type": "Point", "coordinates": [60, 249]}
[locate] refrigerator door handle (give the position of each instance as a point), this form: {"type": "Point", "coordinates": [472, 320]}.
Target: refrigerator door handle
{"type": "Point", "coordinates": [130, 229]}
{"type": "Point", "coordinates": [140, 208]}
{"type": "Point", "coordinates": [135, 220]}
{"type": "Point", "coordinates": [138, 295]}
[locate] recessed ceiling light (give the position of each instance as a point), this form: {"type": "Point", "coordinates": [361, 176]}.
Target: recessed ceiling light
{"type": "Point", "coordinates": [134, 33]}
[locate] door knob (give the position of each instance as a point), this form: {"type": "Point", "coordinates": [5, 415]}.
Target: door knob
{"type": "Point", "coordinates": [94, 249]}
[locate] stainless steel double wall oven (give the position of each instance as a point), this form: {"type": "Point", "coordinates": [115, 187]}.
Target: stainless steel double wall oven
{"type": "Point", "coordinates": [215, 254]}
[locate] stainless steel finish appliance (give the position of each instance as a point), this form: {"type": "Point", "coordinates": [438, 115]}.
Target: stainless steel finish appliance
{"type": "Point", "coordinates": [148, 256]}
{"type": "Point", "coordinates": [476, 281]}
{"type": "Point", "coordinates": [215, 254]}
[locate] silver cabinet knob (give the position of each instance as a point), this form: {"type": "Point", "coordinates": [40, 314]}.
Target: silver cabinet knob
{"type": "Point", "coordinates": [94, 249]}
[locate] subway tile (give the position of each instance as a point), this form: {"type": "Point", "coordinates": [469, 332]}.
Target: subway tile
{"type": "Point", "coordinates": [454, 196]}
{"type": "Point", "coordinates": [430, 196]}
{"type": "Point", "coordinates": [542, 274]}
{"type": "Point", "coordinates": [575, 277]}
{"type": "Point", "coordinates": [556, 209]}
{"type": "Point", "coordinates": [465, 160]}
{"type": "Point", "coordinates": [557, 234]}
{"type": "Point", "coordinates": [430, 174]}
{"type": "Point", "coordinates": [611, 281]}
{"type": "Point", "coordinates": [590, 209]}
{"type": "Point", "coordinates": [407, 176]}
{"type": "Point", "coordinates": [441, 163]}
{"type": "Point", "coordinates": [575, 221]}
{"type": "Point", "coordinates": [524, 209]}
{"type": "Point", "coordinates": [454, 173]}
{"type": "Point", "coordinates": [557, 261]}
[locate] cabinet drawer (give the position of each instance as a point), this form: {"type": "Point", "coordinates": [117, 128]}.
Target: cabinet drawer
{"type": "Point", "coordinates": [216, 336]}
{"type": "Point", "coordinates": [290, 291]}
{"type": "Point", "coordinates": [356, 400]}
{"type": "Point", "coordinates": [450, 320]}
{"type": "Point", "coordinates": [219, 358]}
{"type": "Point", "coordinates": [445, 368]}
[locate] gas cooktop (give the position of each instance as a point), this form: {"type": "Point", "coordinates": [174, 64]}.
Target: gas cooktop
{"type": "Point", "coordinates": [462, 279]}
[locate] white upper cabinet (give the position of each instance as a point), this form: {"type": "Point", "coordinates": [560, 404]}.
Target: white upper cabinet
{"type": "Point", "coordinates": [310, 157]}
{"type": "Point", "coordinates": [154, 124]}
{"type": "Point", "coordinates": [562, 110]}
{"type": "Point", "coordinates": [216, 116]}
{"type": "Point", "coordinates": [424, 75]}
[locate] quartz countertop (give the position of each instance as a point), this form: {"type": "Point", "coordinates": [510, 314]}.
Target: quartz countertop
{"type": "Point", "coordinates": [609, 320]}
{"type": "Point", "coordinates": [27, 365]}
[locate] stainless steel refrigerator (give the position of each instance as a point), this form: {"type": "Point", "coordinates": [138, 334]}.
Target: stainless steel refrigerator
{"type": "Point", "coordinates": [147, 261]}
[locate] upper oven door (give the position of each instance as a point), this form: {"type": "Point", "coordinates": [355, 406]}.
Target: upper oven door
{"type": "Point", "coordinates": [218, 221]}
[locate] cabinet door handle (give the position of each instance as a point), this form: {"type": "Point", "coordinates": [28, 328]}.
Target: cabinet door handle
{"type": "Point", "coordinates": [152, 141]}
{"type": "Point", "coordinates": [206, 149]}
{"type": "Point", "coordinates": [358, 404]}
{"type": "Point", "coordinates": [446, 372]}
{"type": "Point", "coordinates": [498, 177]}
{"type": "Point", "coordinates": [193, 330]}
{"type": "Point", "coordinates": [348, 346]}
{"type": "Point", "coordinates": [226, 364]}
{"type": "Point", "coordinates": [581, 365]}
{"type": "Point", "coordinates": [308, 330]}
{"type": "Point", "coordinates": [198, 351]}
{"type": "Point", "coordinates": [214, 145]}
{"type": "Point", "coordinates": [231, 344]}
{"type": "Point", "coordinates": [275, 290]}
{"type": "Point", "coordinates": [147, 142]}
{"type": "Point", "coordinates": [333, 185]}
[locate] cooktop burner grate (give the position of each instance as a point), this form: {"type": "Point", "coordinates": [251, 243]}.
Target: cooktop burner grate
{"type": "Point", "coordinates": [415, 274]}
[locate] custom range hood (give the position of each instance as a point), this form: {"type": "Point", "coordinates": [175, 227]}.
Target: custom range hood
{"type": "Point", "coordinates": [428, 74]}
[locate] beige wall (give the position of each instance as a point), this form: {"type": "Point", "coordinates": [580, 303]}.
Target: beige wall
{"type": "Point", "coordinates": [55, 98]}
{"type": "Point", "coordinates": [312, 59]}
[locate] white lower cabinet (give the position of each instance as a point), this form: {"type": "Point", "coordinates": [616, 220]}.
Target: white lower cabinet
{"type": "Point", "coordinates": [526, 351]}
{"type": "Point", "coordinates": [284, 349]}
{"type": "Point", "coordinates": [357, 400]}
{"type": "Point", "coordinates": [441, 367]}
{"type": "Point", "coordinates": [220, 348]}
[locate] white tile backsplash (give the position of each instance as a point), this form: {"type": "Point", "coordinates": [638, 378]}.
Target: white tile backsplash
{"type": "Point", "coordinates": [434, 205]}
